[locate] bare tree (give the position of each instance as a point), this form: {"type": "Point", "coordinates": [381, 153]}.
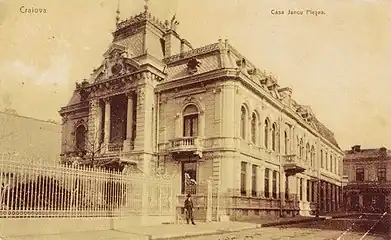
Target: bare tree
{"type": "Point", "coordinates": [90, 149]}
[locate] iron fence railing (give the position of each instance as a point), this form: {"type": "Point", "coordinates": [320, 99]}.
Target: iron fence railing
{"type": "Point", "coordinates": [41, 190]}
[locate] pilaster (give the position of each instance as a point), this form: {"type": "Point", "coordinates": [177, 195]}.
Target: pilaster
{"type": "Point", "coordinates": [92, 125]}
{"type": "Point", "coordinates": [249, 179]}
{"type": "Point", "coordinates": [144, 123]}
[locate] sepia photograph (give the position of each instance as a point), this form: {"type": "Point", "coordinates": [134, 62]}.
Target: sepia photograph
{"type": "Point", "coordinates": [207, 119]}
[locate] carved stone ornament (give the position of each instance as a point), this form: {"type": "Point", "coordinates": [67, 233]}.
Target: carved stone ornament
{"type": "Point", "coordinates": [140, 94]}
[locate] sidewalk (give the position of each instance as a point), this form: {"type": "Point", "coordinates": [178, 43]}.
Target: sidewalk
{"type": "Point", "coordinates": [176, 231]}
{"type": "Point", "coordinates": [270, 222]}
{"type": "Point", "coordinates": [159, 232]}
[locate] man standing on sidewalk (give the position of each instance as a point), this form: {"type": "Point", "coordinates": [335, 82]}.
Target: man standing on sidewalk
{"type": "Point", "coordinates": [189, 209]}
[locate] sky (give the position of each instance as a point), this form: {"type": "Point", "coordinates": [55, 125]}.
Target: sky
{"type": "Point", "coordinates": [338, 63]}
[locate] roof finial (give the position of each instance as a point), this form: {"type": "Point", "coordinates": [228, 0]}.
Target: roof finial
{"type": "Point", "coordinates": [146, 6]}
{"type": "Point", "coordinates": [118, 12]}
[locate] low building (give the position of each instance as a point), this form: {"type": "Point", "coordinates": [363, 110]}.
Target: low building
{"type": "Point", "coordinates": [162, 106]}
{"type": "Point", "coordinates": [27, 139]}
{"type": "Point", "coordinates": [368, 172]}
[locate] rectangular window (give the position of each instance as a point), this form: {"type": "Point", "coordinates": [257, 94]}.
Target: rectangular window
{"type": "Point", "coordinates": [359, 174]}
{"type": "Point", "coordinates": [301, 189]}
{"type": "Point", "coordinates": [243, 179]}
{"type": "Point", "coordinates": [381, 175]}
{"type": "Point", "coordinates": [308, 190]}
{"type": "Point", "coordinates": [254, 181]}
{"type": "Point", "coordinates": [274, 184]}
{"type": "Point", "coordinates": [267, 183]}
{"type": "Point", "coordinates": [313, 185]}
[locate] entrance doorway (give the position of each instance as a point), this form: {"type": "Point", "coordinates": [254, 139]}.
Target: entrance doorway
{"type": "Point", "coordinates": [189, 177]}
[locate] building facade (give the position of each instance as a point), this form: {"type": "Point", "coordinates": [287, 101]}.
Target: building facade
{"type": "Point", "coordinates": [368, 188]}
{"type": "Point", "coordinates": [26, 139]}
{"type": "Point", "coordinates": [158, 105]}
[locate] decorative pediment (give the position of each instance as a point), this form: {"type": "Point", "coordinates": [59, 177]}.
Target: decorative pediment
{"type": "Point", "coordinates": [113, 50]}
{"type": "Point", "coordinates": [116, 63]}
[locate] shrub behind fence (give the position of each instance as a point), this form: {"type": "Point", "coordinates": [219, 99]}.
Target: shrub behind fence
{"type": "Point", "coordinates": [40, 190]}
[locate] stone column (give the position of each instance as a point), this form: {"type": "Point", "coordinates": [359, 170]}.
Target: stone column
{"type": "Point", "coordinates": [107, 122]}
{"type": "Point", "coordinates": [128, 145]}
{"type": "Point", "coordinates": [361, 201]}
{"type": "Point", "coordinates": [261, 181]}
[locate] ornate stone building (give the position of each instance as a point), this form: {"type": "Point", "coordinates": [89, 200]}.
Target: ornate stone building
{"type": "Point", "coordinates": [161, 105]}
{"type": "Point", "coordinates": [368, 188]}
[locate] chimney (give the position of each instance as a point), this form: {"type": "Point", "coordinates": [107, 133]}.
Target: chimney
{"type": "Point", "coordinates": [356, 148]}
{"type": "Point", "coordinates": [167, 43]}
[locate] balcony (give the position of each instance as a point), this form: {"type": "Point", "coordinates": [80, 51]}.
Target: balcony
{"type": "Point", "coordinates": [186, 146]}
{"type": "Point", "coordinates": [292, 165]}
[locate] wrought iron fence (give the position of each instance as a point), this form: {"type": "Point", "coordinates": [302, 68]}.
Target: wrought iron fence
{"type": "Point", "coordinates": [40, 190]}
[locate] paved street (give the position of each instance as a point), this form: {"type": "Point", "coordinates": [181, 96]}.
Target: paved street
{"type": "Point", "coordinates": [353, 228]}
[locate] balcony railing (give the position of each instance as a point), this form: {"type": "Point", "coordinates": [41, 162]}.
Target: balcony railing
{"type": "Point", "coordinates": [185, 144]}
{"type": "Point", "coordinates": [292, 158]}
{"type": "Point", "coordinates": [292, 164]}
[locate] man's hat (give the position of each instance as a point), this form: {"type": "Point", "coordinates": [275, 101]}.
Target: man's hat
{"type": "Point", "coordinates": [188, 195]}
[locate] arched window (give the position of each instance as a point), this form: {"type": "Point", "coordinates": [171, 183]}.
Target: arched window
{"type": "Point", "coordinates": [312, 156]}
{"type": "Point", "coordinates": [274, 137]}
{"type": "Point", "coordinates": [254, 128]}
{"type": "Point", "coordinates": [266, 133]}
{"type": "Point", "coordinates": [301, 148]}
{"type": "Point", "coordinates": [321, 159]}
{"type": "Point", "coordinates": [307, 151]}
{"type": "Point", "coordinates": [243, 123]}
{"type": "Point", "coordinates": [286, 142]}
{"type": "Point", "coordinates": [81, 138]}
{"type": "Point", "coordinates": [190, 121]}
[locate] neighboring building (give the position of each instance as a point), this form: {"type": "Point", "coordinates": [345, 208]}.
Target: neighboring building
{"type": "Point", "coordinates": [368, 171]}
{"type": "Point", "coordinates": [29, 140]}
{"type": "Point", "coordinates": [204, 113]}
